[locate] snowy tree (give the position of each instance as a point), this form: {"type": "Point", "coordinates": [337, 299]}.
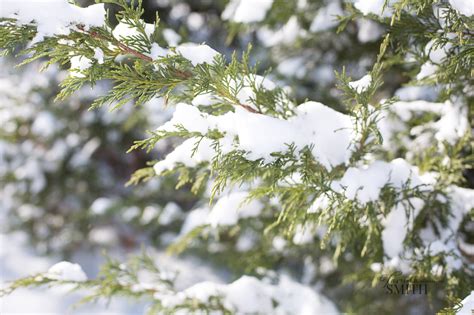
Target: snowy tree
{"type": "Point", "coordinates": [368, 185]}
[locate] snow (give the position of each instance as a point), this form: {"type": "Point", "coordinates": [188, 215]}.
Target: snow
{"type": "Point", "coordinates": [156, 51]}
{"type": "Point", "coordinates": [245, 242]}
{"type": "Point", "coordinates": [66, 271]}
{"type": "Point", "coordinates": [447, 241]}
{"type": "Point", "coordinates": [326, 18]}
{"type": "Point", "coordinates": [179, 11]}
{"type": "Point", "coordinates": [362, 84]}
{"type": "Point", "coordinates": [101, 205]}
{"type": "Point", "coordinates": [195, 21]}
{"type": "Point", "coordinates": [124, 30]}
{"type": "Point", "coordinates": [246, 85]}
{"type": "Point", "coordinates": [150, 213]}
{"type": "Point", "coordinates": [304, 234]}
{"type": "Point", "coordinates": [45, 124]}
{"type": "Point", "coordinates": [99, 55]}
{"type": "Point", "coordinates": [427, 70]}
{"type": "Point", "coordinates": [18, 260]}
{"type": "Point", "coordinates": [368, 30]}
{"type": "Point", "coordinates": [104, 236]}
{"type": "Point", "coordinates": [397, 224]}
{"type": "Point", "coordinates": [171, 37]}
{"type": "Point", "coordinates": [451, 126]}
{"type": "Point", "coordinates": [293, 67]}
{"type": "Point", "coordinates": [205, 99]}
{"type": "Point", "coordinates": [286, 35]}
{"type": "Point", "coordinates": [296, 298]}
{"type": "Point", "coordinates": [183, 154]}
{"type": "Point", "coordinates": [58, 300]}
{"type": "Point", "coordinates": [232, 207]}
{"type": "Point", "coordinates": [365, 183]}
{"type": "Point", "coordinates": [330, 132]}
{"type": "Point", "coordinates": [195, 218]}
{"type": "Point", "coordinates": [467, 305]}
{"type": "Point", "coordinates": [437, 52]}
{"type": "Point", "coordinates": [374, 7]}
{"type": "Point", "coordinates": [246, 11]}
{"type": "Point", "coordinates": [412, 93]}
{"type": "Point", "coordinates": [321, 203]}
{"type": "Point", "coordinates": [197, 54]}
{"type": "Point", "coordinates": [453, 123]}
{"type": "Point", "coordinates": [465, 7]}
{"type": "Point", "coordinates": [249, 295]}
{"type": "Point", "coordinates": [27, 11]}
{"type": "Point", "coordinates": [78, 65]}
{"type": "Point", "coordinates": [171, 212]}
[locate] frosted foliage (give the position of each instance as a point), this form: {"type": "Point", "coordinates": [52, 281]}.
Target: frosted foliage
{"type": "Point", "coordinates": [39, 12]}
{"type": "Point", "coordinates": [249, 295]}
{"type": "Point", "coordinates": [183, 155]}
{"type": "Point", "coordinates": [452, 125]}
{"type": "Point", "coordinates": [78, 65]}
{"type": "Point", "coordinates": [66, 271]}
{"type": "Point", "coordinates": [330, 133]}
{"type": "Point", "coordinates": [364, 183]}
{"type": "Point", "coordinates": [362, 84]}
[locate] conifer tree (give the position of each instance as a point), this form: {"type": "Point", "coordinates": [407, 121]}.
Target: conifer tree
{"type": "Point", "coordinates": [367, 185]}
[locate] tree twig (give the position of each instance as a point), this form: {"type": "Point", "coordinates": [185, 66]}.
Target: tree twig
{"type": "Point", "coordinates": [129, 50]}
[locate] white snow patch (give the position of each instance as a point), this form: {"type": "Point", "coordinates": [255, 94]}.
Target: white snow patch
{"type": "Point", "coordinates": [427, 70]}
{"type": "Point", "coordinates": [195, 218]}
{"type": "Point", "coordinates": [362, 84]}
{"type": "Point", "coordinates": [205, 99]}
{"type": "Point", "coordinates": [326, 18]}
{"type": "Point", "coordinates": [156, 51]}
{"type": "Point", "coordinates": [246, 11]}
{"type": "Point", "coordinates": [183, 154]}
{"type": "Point", "coordinates": [368, 30]}
{"type": "Point", "coordinates": [99, 55]}
{"type": "Point", "coordinates": [467, 305]}
{"type": "Point", "coordinates": [78, 65]}
{"type": "Point", "coordinates": [101, 205]}
{"type": "Point", "coordinates": [329, 132]}
{"type": "Point", "coordinates": [249, 295]}
{"type": "Point", "coordinates": [365, 183]}
{"type": "Point", "coordinates": [45, 124]}
{"type": "Point", "coordinates": [232, 207]}
{"type": "Point", "coordinates": [374, 7]}
{"type": "Point", "coordinates": [48, 24]}
{"type": "Point", "coordinates": [66, 271]}
{"type": "Point", "coordinates": [285, 35]}
{"type": "Point", "coordinates": [126, 31]}
{"type": "Point", "coordinates": [465, 7]}
{"type": "Point", "coordinates": [171, 37]}
{"type": "Point", "coordinates": [197, 54]}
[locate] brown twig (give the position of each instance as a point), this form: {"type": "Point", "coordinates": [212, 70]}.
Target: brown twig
{"type": "Point", "coordinates": [250, 109]}
{"type": "Point", "coordinates": [131, 51]}
{"type": "Point", "coordinates": [124, 48]}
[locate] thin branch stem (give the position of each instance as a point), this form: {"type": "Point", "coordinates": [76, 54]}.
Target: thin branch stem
{"type": "Point", "coordinates": [126, 49]}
